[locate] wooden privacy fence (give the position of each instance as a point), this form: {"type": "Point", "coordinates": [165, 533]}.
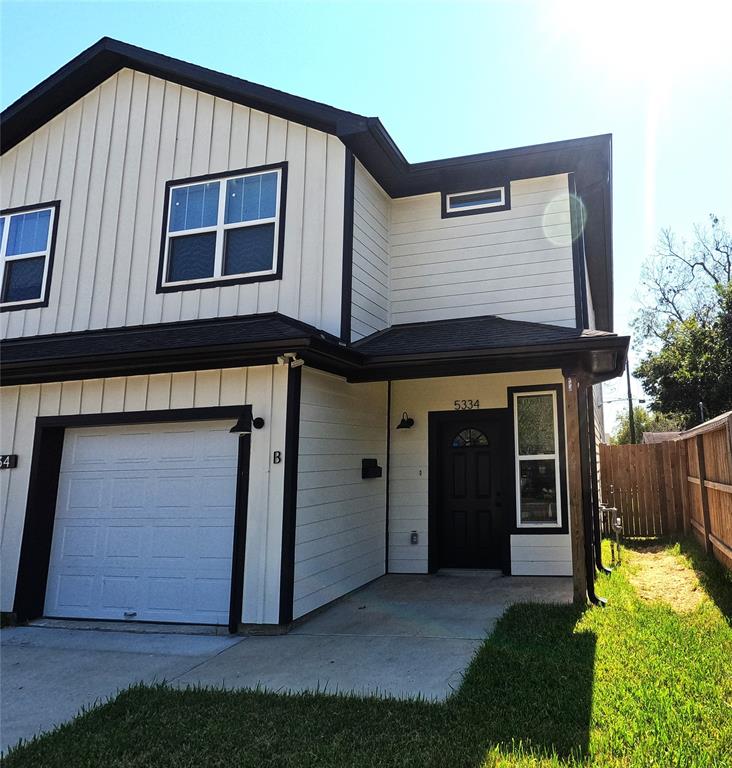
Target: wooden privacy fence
{"type": "Point", "coordinates": [680, 485]}
{"type": "Point", "coordinates": [646, 484]}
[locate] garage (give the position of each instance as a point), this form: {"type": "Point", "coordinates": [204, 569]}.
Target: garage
{"type": "Point", "coordinates": [144, 523]}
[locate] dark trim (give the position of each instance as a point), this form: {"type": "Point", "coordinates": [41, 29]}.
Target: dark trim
{"type": "Point", "coordinates": [597, 538]}
{"type": "Point", "coordinates": [239, 544]}
{"type": "Point", "coordinates": [581, 309]}
{"type": "Point", "coordinates": [388, 467]}
{"type": "Point", "coordinates": [562, 481]}
{"type": "Point", "coordinates": [43, 301]}
{"type": "Point", "coordinates": [234, 280]}
{"type": "Point", "coordinates": [260, 339]}
{"type": "Point", "coordinates": [444, 194]}
{"type": "Point", "coordinates": [347, 269]}
{"type": "Point", "coordinates": [588, 523]}
{"type": "Point", "coordinates": [434, 420]}
{"type": "Point", "coordinates": [171, 415]}
{"type": "Point", "coordinates": [289, 499]}
{"type": "Point", "coordinates": [48, 441]}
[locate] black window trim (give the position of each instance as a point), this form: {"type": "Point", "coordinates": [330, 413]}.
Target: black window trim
{"type": "Point", "coordinates": [503, 183]}
{"type": "Point", "coordinates": [45, 297]}
{"type": "Point", "coordinates": [235, 280]}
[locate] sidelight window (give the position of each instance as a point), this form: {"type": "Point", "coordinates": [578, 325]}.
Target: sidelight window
{"type": "Point", "coordinates": [224, 230]}
{"type": "Point", "coordinates": [536, 436]}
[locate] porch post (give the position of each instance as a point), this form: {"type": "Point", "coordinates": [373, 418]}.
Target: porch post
{"type": "Point", "coordinates": [572, 394]}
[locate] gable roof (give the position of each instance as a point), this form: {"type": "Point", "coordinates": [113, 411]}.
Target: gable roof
{"type": "Point", "coordinates": [589, 158]}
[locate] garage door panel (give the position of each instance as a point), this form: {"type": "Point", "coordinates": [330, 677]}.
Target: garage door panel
{"type": "Point", "coordinates": [155, 538]}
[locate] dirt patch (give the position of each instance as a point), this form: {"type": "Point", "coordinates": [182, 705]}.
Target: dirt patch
{"type": "Point", "coordinates": [659, 576]}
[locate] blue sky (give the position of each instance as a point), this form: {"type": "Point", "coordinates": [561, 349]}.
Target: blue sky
{"type": "Point", "coordinates": [452, 78]}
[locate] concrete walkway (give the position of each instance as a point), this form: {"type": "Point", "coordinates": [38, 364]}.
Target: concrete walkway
{"type": "Point", "coordinates": [401, 635]}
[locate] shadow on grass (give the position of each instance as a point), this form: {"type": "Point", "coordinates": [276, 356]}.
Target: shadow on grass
{"type": "Point", "coordinates": [714, 577]}
{"type": "Point", "coordinates": [527, 695]}
{"type": "Point", "coordinates": [531, 683]}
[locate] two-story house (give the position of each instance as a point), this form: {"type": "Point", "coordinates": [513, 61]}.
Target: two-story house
{"type": "Point", "coordinates": [253, 359]}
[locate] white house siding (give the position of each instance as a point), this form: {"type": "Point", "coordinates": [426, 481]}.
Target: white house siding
{"type": "Point", "coordinates": [515, 263]}
{"type": "Point", "coordinates": [264, 387]}
{"type": "Point", "coordinates": [409, 470]}
{"type": "Point", "coordinates": [340, 536]}
{"type": "Point", "coordinates": [107, 158]}
{"type": "Point", "coordinates": [371, 221]}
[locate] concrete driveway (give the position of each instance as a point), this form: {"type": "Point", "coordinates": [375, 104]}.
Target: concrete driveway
{"type": "Point", "coordinates": [400, 635]}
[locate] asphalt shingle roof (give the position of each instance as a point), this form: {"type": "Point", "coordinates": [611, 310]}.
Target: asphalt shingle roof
{"type": "Point", "coordinates": [468, 334]}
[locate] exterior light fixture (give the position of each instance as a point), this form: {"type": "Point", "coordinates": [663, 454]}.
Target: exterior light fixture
{"type": "Point", "coordinates": [245, 423]}
{"type": "Point", "coordinates": [406, 422]}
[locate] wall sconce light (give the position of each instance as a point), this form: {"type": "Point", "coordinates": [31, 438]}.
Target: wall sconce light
{"type": "Point", "coordinates": [406, 422]}
{"type": "Point", "coordinates": [245, 423]}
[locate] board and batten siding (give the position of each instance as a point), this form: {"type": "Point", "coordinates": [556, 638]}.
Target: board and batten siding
{"type": "Point", "coordinates": [341, 518]}
{"type": "Point", "coordinates": [264, 387]}
{"type": "Point", "coordinates": [370, 284]}
{"type": "Point", "coordinates": [515, 263]}
{"type": "Point", "coordinates": [107, 158]}
{"type": "Point", "coordinates": [409, 470]}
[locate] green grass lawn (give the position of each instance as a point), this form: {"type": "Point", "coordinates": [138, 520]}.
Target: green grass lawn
{"type": "Point", "coordinates": [634, 684]}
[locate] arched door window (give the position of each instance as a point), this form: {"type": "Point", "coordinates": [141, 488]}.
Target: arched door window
{"type": "Point", "coordinates": [469, 437]}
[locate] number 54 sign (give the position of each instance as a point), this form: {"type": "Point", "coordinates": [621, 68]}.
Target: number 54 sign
{"type": "Point", "coordinates": [8, 460]}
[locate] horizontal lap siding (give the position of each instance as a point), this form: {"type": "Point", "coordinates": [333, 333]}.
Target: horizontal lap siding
{"type": "Point", "coordinates": [370, 285]}
{"type": "Point", "coordinates": [409, 465]}
{"type": "Point", "coordinates": [264, 387]}
{"type": "Point", "coordinates": [339, 540]}
{"type": "Point", "coordinates": [515, 263]}
{"type": "Point", "coordinates": [541, 555]}
{"type": "Point", "coordinates": [107, 158]}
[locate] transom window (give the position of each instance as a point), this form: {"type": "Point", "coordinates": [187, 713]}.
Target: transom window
{"type": "Point", "coordinates": [225, 229]}
{"type": "Point", "coordinates": [26, 245]}
{"type": "Point", "coordinates": [469, 437]}
{"type": "Point", "coordinates": [536, 435]}
{"type": "Point", "coordinates": [475, 201]}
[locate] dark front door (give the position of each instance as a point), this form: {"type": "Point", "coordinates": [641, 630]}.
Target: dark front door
{"type": "Point", "coordinates": [470, 491]}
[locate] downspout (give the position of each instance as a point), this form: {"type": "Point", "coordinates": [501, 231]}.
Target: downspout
{"type": "Point", "coordinates": [597, 539]}
{"type": "Point", "coordinates": [585, 469]}
{"type": "Point", "coordinates": [388, 464]}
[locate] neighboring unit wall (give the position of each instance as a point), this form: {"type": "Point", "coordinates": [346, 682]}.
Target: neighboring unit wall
{"type": "Point", "coordinates": [409, 470]}
{"type": "Point", "coordinates": [264, 387]}
{"type": "Point", "coordinates": [107, 158]}
{"type": "Point", "coordinates": [340, 536]}
{"type": "Point", "coordinates": [515, 263]}
{"type": "Point", "coordinates": [371, 220]}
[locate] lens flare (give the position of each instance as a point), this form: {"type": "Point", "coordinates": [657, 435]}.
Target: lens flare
{"type": "Point", "coordinates": [557, 216]}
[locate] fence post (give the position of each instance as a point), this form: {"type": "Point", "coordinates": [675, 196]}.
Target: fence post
{"type": "Point", "coordinates": [684, 477]}
{"type": "Point", "coordinates": [704, 496]}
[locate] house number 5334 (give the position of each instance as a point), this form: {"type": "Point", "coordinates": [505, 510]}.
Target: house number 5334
{"type": "Point", "coordinates": [466, 405]}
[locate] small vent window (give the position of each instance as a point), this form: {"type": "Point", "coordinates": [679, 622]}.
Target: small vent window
{"type": "Point", "coordinates": [467, 438]}
{"type": "Point", "coordinates": [476, 201]}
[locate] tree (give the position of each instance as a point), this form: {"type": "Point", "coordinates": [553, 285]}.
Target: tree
{"type": "Point", "coordinates": [644, 422]}
{"type": "Point", "coordinates": [686, 320]}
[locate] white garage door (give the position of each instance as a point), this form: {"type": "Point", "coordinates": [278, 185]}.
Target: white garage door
{"type": "Point", "coordinates": [145, 523]}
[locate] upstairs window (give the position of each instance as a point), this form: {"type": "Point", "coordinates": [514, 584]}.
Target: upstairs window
{"type": "Point", "coordinates": [475, 201]}
{"type": "Point", "coordinates": [537, 441]}
{"type": "Point", "coordinates": [224, 229]}
{"type": "Point", "coordinates": [26, 251]}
